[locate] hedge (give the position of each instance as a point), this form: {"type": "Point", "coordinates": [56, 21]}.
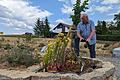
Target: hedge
{"type": "Point", "coordinates": [108, 37]}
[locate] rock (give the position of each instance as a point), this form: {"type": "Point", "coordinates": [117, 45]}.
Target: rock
{"type": "Point", "coordinates": [116, 52]}
{"type": "Point", "coordinates": [35, 68]}
{"type": "Point", "coordinates": [99, 65]}
{"type": "Point", "coordinates": [4, 78]}
{"type": "Point", "coordinates": [43, 49]}
{"type": "Point", "coordinates": [104, 73]}
{"type": "Point", "coordinates": [6, 63]}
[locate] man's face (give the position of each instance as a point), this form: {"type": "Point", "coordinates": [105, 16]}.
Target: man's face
{"type": "Point", "coordinates": [84, 19]}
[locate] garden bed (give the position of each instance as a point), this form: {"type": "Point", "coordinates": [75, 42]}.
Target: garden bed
{"type": "Point", "coordinates": [104, 73]}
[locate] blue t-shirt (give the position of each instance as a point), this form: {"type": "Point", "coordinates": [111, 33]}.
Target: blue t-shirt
{"type": "Point", "coordinates": [86, 29]}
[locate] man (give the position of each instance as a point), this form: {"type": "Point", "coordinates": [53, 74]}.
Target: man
{"type": "Point", "coordinates": [86, 31]}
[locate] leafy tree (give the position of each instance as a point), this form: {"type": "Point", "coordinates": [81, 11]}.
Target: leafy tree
{"type": "Point", "coordinates": [77, 8]}
{"type": "Point", "coordinates": [38, 28]}
{"type": "Point", "coordinates": [117, 20]}
{"type": "Point", "coordinates": [46, 28]}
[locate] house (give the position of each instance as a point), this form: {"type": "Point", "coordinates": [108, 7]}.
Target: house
{"type": "Point", "coordinates": [61, 27]}
{"type": "Point", "coordinates": [1, 33]}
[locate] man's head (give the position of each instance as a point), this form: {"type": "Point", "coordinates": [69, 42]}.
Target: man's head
{"type": "Point", "coordinates": [84, 18]}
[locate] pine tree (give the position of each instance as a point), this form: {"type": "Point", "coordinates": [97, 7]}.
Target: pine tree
{"type": "Point", "coordinates": [117, 20]}
{"type": "Point", "coordinates": [104, 28]}
{"type": "Point", "coordinates": [46, 28]}
{"type": "Point", "coordinates": [38, 28]}
{"type": "Point", "coordinates": [77, 8]}
{"type": "Point", "coordinates": [99, 27]}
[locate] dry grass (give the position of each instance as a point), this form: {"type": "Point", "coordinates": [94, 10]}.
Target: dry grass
{"type": "Point", "coordinates": [102, 47]}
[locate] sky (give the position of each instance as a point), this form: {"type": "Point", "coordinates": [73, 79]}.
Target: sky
{"type": "Point", "coordinates": [19, 16]}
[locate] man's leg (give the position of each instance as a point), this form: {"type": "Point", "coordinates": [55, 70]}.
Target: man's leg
{"type": "Point", "coordinates": [76, 45]}
{"type": "Point", "coordinates": [92, 51]}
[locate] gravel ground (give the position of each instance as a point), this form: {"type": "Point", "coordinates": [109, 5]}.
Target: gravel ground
{"type": "Point", "coordinates": [115, 61]}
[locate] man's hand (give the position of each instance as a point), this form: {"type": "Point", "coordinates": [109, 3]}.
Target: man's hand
{"type": "Point", "coordinates": [88, 40]}
{"type": "Point", "coordinates": [78, 34]}
{"type": "Point", "coordinates": [81, 39]}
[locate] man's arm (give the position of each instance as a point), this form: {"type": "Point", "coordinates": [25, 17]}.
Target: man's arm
{"type": "Point", "coordinates": [91, 35]}
{"type": "Point", "coordinates": [78, 34]}
{"type": "Point", "coordinates": [92, 32]}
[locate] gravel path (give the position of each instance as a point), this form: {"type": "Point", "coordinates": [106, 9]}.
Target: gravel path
{"type": "Point", "coordinates": [115, 61]}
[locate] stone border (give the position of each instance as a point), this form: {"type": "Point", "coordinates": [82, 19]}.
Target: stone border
{"type": "Point", "coordinates": [104, 73]}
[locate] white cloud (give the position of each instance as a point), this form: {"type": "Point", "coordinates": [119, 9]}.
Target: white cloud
{"type": "Point", "coordinates": [68, 6]}
{"type": "Point", "coordinates": [103, 8]}
{"type": "Point", "coordinates": [60, 21]}
{"type": "Point", "coordinates": [100, 9]}
{"type": "Point", "coordinates": [108, 20]}
{"type": "Point", "coordinates": [67, 9]}
{"type": "Point", "coordinates": [52, 26]}
{"type": "Point", "coordinates": [66, 21]}
{"type": "Point", "coordinates": [110, 1]}
{"type": "Point", "coordinates": [20, 14]}
{"type": "Point", "coordinates": [19, 33]}
{"type": "Point", "coordinates": [113, 13]}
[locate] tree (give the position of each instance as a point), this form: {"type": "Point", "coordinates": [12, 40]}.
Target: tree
{"type": "Point", "coordinates": [77, 8]}
{"type": "Point", "coordinates": [101, 28]}
{"type": "Point", "coordinates": [111, 27]}
{"type": "Point", "coordinates": [46, 28]}
{"type": "Point", "coordinates": [117, 20]}
{"type": "Point", "coordinates": [42, 28]}
{"type": "Point", "coordinates": [104, 28]}
{"type": "Point", "coordinates": [38, 28]}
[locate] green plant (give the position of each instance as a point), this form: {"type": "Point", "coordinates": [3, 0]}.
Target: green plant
{"type": "Point", "coordinates": [23, 46]}
{"type": "Point", "coordinates": [59, 52]}
{"type": "Point", "coordinates": [55, 50]}
{"type": "Point", "coordinates": [28, 37]}
{"type": "Point", "coordinates": [77, 9]}
{"type": "Point", "coordinates": [20, 56]}
{"type": "Point", "coordinates": [8, 46]}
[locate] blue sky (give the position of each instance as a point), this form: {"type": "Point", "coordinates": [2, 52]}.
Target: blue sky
{"type": "Point", "coordinates": [19, 16]}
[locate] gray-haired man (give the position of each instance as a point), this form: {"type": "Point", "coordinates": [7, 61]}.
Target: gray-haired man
{"type": "Point", "coordinates": [86, 31]}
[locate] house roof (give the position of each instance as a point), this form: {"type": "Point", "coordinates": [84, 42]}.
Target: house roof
{"type": "Point", "coordinates": [63, 25]}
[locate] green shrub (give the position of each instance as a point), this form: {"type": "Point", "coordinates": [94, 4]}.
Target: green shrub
{"type": "Point", "coordinates": [23, 46]}
{"type": "Point", "coordinates": [8, 46]}
{"type": "Point", "coordinates": [108, 37]}
{"type": "Point", "coordinates": [28, 37]}
{"type": "Point", "coordinates": [20, 56]}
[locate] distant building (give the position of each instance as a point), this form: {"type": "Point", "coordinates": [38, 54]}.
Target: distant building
{"type": "Point", "coordinates": [61, 27]}
{"type": "Point", "coordinates": [27, 33]}
{"type": "Point", "coordinates": [1, 33]}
